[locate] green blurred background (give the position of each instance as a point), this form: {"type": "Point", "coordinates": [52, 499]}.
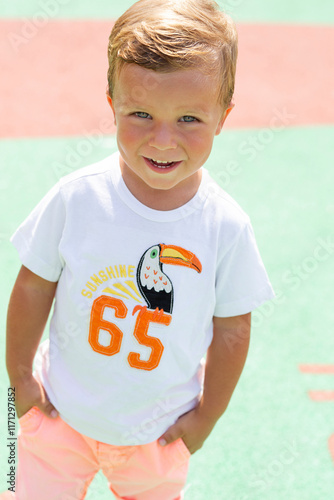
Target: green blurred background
{"type": "Point", "coordinates": [273, 442]}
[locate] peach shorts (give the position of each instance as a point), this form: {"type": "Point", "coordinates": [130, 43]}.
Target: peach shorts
{"type": "Point", "coordinates": [55, 462]}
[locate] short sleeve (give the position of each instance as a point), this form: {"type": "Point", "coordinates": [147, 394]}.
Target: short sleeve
{"type": "Point", "coordinates": [242, 283]}
{"type": "Point", "coordinates": [38, 237]}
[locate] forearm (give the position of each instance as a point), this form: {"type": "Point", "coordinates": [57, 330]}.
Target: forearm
{"type": "Point", "coordinates": [226, 358]}
{"type": "Point", "coordinates": [28, 310]}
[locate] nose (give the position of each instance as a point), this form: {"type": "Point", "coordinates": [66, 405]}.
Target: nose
{"type": "Point", "coordinates": [163, 137]}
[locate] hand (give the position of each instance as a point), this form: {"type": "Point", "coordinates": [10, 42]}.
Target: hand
{"type": "Point", "coordinates": [193, 427]}
{"type": "Point", "coordinates": [31, 393]}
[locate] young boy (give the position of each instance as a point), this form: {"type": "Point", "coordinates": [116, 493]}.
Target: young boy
{"type": "Point", "coordinates": [151, 266]}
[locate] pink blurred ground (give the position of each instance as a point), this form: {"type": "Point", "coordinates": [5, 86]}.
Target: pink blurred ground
{"type": "Point", "coordinates": [53, 77]}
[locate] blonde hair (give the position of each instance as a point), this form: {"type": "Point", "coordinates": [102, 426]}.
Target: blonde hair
{"type": "Point", "coordinates": [169, 35]}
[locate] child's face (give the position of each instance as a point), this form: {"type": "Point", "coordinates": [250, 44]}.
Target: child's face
{"type": "Point", "coordinates": [165, 117]}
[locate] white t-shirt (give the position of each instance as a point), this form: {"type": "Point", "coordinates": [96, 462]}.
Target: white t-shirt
{"type": "Point", "coordinates": [137, 291]}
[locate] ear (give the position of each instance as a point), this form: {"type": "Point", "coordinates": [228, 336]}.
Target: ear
{"type": "Point", "coordinates": [225, 115]}
{"type": "Point", "coordinates": [111, 104]}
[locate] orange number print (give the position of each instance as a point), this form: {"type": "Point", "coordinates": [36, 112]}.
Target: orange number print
{"type": "Point", "coordinates": [145, 317]}
{"type": "Point", "coordinates": [97, 323]}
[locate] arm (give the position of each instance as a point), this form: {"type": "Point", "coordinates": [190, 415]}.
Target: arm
{"type": "Point", "coordinates": [28, 311]}
{"type": "Point", "coordinates": [226, 357]}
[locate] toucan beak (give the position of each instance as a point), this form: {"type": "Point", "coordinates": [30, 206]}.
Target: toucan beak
{"type": "Point", "coordinates": [171, 254]}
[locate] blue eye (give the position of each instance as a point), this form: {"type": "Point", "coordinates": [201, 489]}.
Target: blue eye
{"type": "Point", "coordinates": [141, 114]}
{"type": "Point", "coordinates": [188, 119]}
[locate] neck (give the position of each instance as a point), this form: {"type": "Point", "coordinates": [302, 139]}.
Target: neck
{"type": "Point", "coordinates": [162, 199]}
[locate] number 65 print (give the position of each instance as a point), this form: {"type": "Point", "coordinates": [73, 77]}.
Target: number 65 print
{"type": "Point", "coordinates": [144, 318]}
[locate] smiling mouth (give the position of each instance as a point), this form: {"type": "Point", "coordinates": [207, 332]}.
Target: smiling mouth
{"type": "Point", "coordinates": [162, 164]}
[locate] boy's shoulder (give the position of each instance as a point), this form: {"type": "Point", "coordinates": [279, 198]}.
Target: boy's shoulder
{"type": "Point", "coordinates": [91, 172]}
{"type": "Point", "coordinates": [223, 206]}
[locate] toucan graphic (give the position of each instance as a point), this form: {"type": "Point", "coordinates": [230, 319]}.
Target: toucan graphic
{"type": "Point", "coordinates": [154, 285]}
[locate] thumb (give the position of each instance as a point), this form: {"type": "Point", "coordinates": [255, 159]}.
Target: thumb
{"type": "Point", "coordinates": [171, 435]}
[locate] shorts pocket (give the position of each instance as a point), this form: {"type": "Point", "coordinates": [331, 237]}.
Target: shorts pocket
{"type": "Point", "coordinates": [183, 448]}
{"type": "Point", "coordinates": [176, 453]}
{"type": "Point", "coordinates": [31, 421]}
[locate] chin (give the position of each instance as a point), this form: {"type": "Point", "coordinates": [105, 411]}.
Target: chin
{"type": "Point", "coordinates": [162, 186]}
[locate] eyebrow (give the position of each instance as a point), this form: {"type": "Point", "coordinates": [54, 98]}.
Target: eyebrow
{"type": "Point", "coordinates": [194, 111]}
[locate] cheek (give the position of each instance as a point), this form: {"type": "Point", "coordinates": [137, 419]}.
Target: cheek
{"type": "Point", "coordinates": [200, 143]}
{"type": "Point", "coordinates": [128, 136]}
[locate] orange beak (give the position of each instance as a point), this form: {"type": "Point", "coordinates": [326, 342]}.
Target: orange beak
{"type": "Point", "coordinates": [171, 254]}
